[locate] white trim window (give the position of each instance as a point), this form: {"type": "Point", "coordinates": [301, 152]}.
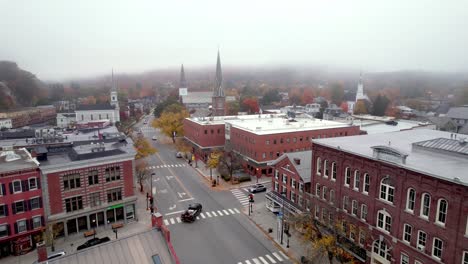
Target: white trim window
{"type": "Point", "coordinates": [319, 166]}
{"type": "Point", "coordinates": [317, 211]}
{"type": "Point", "coordinates": [437, 247]}
{"type": "Point", "coordinates": [354, 207]}
{"type": "Point", "coordinates": [276, 187]}
{"type": "Point", "coordinates": [333, 171]}
{"type": "Point", "coordinates": [422, 237]}
{"type": "Point", "coordinates": [4, 230]}
{"type": "Point", "coordinates": [442, 206]}
{"type": "Point", "coordinates": [364, 212]}
{"type": "Point", "coordinates": [21, 225]}
{"type": "Point", "coordinates": [324, 193]}
{"type": "Point", "coordinates": [345, 203]}
{"type": "Point", "coordinates": [285, 178]}
{"type": "Point", "coordinates": [37, 222]}
{"type": "Point", "coordinates": [404, 259]}
{"type": "Point", "coordinates": [465, 257]}
{"type": "Point", "coordinates": [384, 221]}
{"type": "Point", "coordinates": [332, 196]}
{"type": "Point", "coordinates": [276, 175]}
{"type": "Point", "coordinates": [301, 187]}
{"type": "Point", "coordinates": [32, 183]}
{"type": "Point", "coordinates": [317, 190]}
{"type": "Point", "coordinates": [410, 200]}
{"type": "Point", "coordinates": [325, 168]}
{"type": "Point", "coordinates": [425, 205]}
{"type": "Point", "coordinates": [362, 238]}
{"type": "Point", "coordinates": [293, 184]}
{"type": "Point", "coordinates": [357, 180]}
{"type": "Point", "coordinates": [380, 248]}
{"type": "Point", "coordinates": [386, 190]}
{"type": "Point", "coordinates": [17, 188]}
{"type": "Point", "coordinates": [407, 231]}
{"type": "Point", "coordinates": [347, 177]}
{"type": "Point", "coordinates": [366, 184]}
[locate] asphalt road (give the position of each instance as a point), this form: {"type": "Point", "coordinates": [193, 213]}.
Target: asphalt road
{"type": "Point", "coordinates": [222, 234]}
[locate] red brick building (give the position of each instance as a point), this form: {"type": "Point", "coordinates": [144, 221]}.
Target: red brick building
{"type": "Point", "coordinates": [399, 197]}
{"type": "Point", "coordinates": [21, 210]}
{"type": "Point", "coordinates": [89, 184]}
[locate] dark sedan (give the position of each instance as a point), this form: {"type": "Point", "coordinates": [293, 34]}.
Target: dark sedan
{"type": "Point", "coordinates": [93, 242]}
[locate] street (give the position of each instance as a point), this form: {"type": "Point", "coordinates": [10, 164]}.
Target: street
{"type": "Point", "coordinates": [222, 233]}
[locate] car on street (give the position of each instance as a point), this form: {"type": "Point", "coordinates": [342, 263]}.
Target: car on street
{"type": "Point", "coordinates": [93, 242]}
{"type": "Point", "coordinates": [178, 155]}
{"type": "Point", "coordinates": [154, 138]}
{"type": "Point", "coordinates": [53, 255]}
{"type": "Point", "coordinates": [191, 213]}
{"type": "Point", "coordinates": [257, 188]}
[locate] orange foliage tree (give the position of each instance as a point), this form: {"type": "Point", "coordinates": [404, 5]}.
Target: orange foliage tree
{"type": "Point", "coordinates": [251, 104]}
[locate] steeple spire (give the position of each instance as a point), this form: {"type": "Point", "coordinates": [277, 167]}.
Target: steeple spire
{"type": "Point", "coordinates": [183, 81]}
{"type": "Point", "coordinates": [218, 89]}
{"type": "Point", "coordinates": [113, 84]}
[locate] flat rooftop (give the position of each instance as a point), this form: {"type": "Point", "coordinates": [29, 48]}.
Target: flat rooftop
{"type": "Point", "coordinates": [440, 162]}
{"type": "Point", "coordinates": [374, 127]}
{"type": "Point", "coordinates": [15, 160]}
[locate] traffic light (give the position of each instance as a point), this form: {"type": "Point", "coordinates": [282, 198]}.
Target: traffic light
{"type": "Point", "coordinates": [251, 198]}
{"type": "Point", "coordinates": [151, 201]}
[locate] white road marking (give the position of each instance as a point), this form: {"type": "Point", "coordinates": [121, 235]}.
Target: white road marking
{"type": "Point", "coordinates": [172, 221]}
{"type": "Point", "coordinates": [188, 199]}
{"type": "Point", "coordinates": [219, 212]}
{"type": "Point", "coordinates": [208, 214]}
{"type": "Point", "coordinates": [202, 215]}
{"type": "Point", "coordinates": [277, 256]}
{"type": "Point", "coordinates": [245, 189]}
{"type": "Point", "coordinates": [282, 254]}
{"type": "Point", "coordinates": [248, 262]}
{"type": "Point", "coordinates": [177, 212]}
{"type": "Point", "coordinates": [166, 222]}
{"type": "Point", "coordinates": [270, 258]}
{"type": "Point", "coordinates": [235, 209]}
{"type": "Point", "coordinates": [178, 220]}
{"type": "Point", "coordinates": [243, 199]}
{"type": "Point", "coordinates": [231, 211]}
{"type": "Point", "coordinates": [214, 213]}
{"type": "Point", "coordinates": [225, 212]}
{"type": "Point", "coordinates": [173, 207]}
{"type": "Point", "coordinates": [198, 218]}
{"type": "Point", "coordinates": [263, 260]}
{"type": "Point", "coordinates": [256, 261]}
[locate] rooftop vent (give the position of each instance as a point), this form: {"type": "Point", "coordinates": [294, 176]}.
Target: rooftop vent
{"type": "Point", "coordinates": [297, 161]}
{"type": "Point", "coordinates": [10, 156]}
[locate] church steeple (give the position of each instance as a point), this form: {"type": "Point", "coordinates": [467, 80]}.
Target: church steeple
{"type": "Point", "coordinates": [218, 89]}
{"type": "Point", "coordinates": [113, 93]}
{"type": "Point", "coordinates": [183, 81]}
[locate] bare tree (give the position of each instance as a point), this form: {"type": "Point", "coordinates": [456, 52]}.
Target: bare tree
{"type": "Point", "coordinates": [142, 172]}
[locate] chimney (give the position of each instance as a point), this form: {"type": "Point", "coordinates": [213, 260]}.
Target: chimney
{"type": "Point", "coordinates": [41, 252]}
{"type": "Point", "coordinates": [297, 161]}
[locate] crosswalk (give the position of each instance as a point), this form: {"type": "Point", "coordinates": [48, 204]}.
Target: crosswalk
{"type": "Point", "coordinates": [240, 196]}
{"type": "Point", "coordinates": [275, 257]}
{"type": "Point", "coordinates": [204, 215]}
{"type": "Point", "coordinates": [179, 165]}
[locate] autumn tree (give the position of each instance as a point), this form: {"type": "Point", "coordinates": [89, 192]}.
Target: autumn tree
{"type": "Point", "coordinates": [344, 107]}
{"type": "Point", "coordinates": [213, 161]}
{"type": "Point", "coordinates": [229, 161]}
{"type": "Point", "coordinates": [142, 172]}
{"type": "Point", "coordinates": [171, 121]}
{"type": "Point", "coordinates": [250, 105]}
{"type": "Point", "coordinates": [307, 97]}
{"type": "Point", "coordinates": [183, 146]}
{"type": "Point", "coordinates": [161, 107]}
{"type": "Point", "coordinates": [51, 232]}
{"type": "Point", "coordinates": [336, 93]}
{"type": "Point", "coordinates": [360, 108]}
{"type": "Point", "coordinates": [143, 147]}
{"type": "Point", "coordinates": [271, 96]}
{"type": "Point", "coordinates": [232, 108]}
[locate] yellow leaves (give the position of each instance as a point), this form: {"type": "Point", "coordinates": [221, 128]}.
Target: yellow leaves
{"type": "Point", "coordinates": [171, 121]}
{"type": "Point", "coordinates": [143, 148]}
{"type": "Point", "coordinates": [213, 160]}
{"type": "Point", "coordinates": [183, 146]}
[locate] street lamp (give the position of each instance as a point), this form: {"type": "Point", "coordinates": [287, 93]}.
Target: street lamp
{"type": "Point", "coordinates": [151, 196]}
{"type": "Point", "coordinates": [282, 217]}
{"type": "Point", "coordinates": [94, 228]}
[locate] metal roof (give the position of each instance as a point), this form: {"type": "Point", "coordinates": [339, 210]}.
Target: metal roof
{"type": "Point", "coordinates": [459, 146]}
{"type": "Point", "coordinates": [458, 112]}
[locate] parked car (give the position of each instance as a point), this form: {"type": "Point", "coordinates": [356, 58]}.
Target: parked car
{"type": "Point", "coordinates": [257, 188]}
{"type": "Point", "coordinates": [54, 255]}
{"type": "Point", "coordinates": [191, 213]}
{"type": "Point", "coordinates": [93, 242]}
{"type": "Point", "coordinates": [179, 155]}
{"type": "Point", "coordinates": [154, 138]}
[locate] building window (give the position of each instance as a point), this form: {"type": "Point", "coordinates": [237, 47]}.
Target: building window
{"type": "Point", "coordinates": [333, 172]}
{"type": "Point", "coordinates": [465, 255]}
{"type": "Point", "coordinates": [410, 200]}
{"type": "Point", "coordinates": [441, 211]}
{"type": "Point", "coordinates": [274, 141]}
{"type": "Point", "coordinates": [345, 203]}
{"type": "Point", "coordinates": [276, 175]}
{"type": "Point", "coordinates": [276, 187]}
{"type": "Point", "coordinates": [206, 132]}
{"type": "Point", "coordinates": [37, 222]}
{"type": "Point", "coordinates": [285, 179]}
{"type": "Point", "coordinates": [21, 226]}
{"type": "Point", "coordinates": [317, 211]}
{"type": "Point", "coordinates": [263, 155]}
{"type": "Point", "coordinates": [366, 185]}
{"type": "Point", "coordinates": [404, 259]}
{"type": "Point", "coordinates": [347, 177]}
{"type": "Point", "coordinates": [421, 240]}
{"type": "Point", "coordinates": [357, 180]}
{"type": "Point", "coordinates": [71, 181]}
{"type": "Point", "coordinates": [425, 205]}
{"type": "Point", "coordinates": [32, 183]}
{"type": "Point", "coordinates": [364, 212]}
{"type": "Point", "coordinates": [35, 203]}
{"type": "Point", "coordinates": [18, 207]}
{"type": "Point", "coordinates": [324, 193]}
{"type": "Point", "coordinates": [380, 248]}
{"type": "Point", "coordinates": [3, 210]}
{"type": "Point", "coordinates": [114, 195]}
{"type": "Point", "coordinates": [301, 187]}
{"type": "Point", "coordinates": [325, 168]}
{"type": "Point", "coordinates": [112, 174]}
{"type": "Point", "coordinates": [317, 190]}
{"type": "Point", "coordinates": [93, 177]}
{"type": "Point", "coordinates": [74, 204]}
{"type": "Point", "coordinates": [362, 238]}
{"type": "Point", "coordinates": [354, 205]}
{"type": "Point", "coordinates": [267, 142]}
{"type": "Point", "coordinates": [293, 184]}
{"type": "Point", "coordinates": [17, 186]}
{"type": "Point", "coordinates": [94, 199]}
{"type": "Point", "coordinates": [332, 196]}
{"type": "Point", "coordinates": [437, 248]}
{"type": "Point", "coordinates": [407, 230]}
{"type": "Point", "coordinates": [319, 166]}
{"type": "Point", "coordinates": [4, 230]}
{"type": "Point", "coordinates": [294, 140]}
{"type": "Point", "coordinates": [384, 220]}
{"type": "Point", "coordinates": [386, 190]}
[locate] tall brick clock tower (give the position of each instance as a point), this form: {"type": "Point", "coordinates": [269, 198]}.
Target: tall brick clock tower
{"type": "Point", "coordinates": [218, 100]}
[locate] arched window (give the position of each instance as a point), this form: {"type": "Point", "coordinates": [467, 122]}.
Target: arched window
{"type": "Point", "coordinates": [442, 206]}
{"type": "Point", "coordinates": [410, 200]}
{"type": "Point", "coordinates": [319, 166]}
{"type": "Point", "coordinates": [380, 248]}
{"type": "Point", "coordinates": [347, 176]}
{"type": "Point", "coordinates": [325, 168]}
{"type": "Point", "coordinates": [333, 172]}
{"type": "Point", "coordinates": [425, 205]}
{"type": "Point", "coordinates": [387, 190]}
{"type": "Point", "coordinates": [366, 184]}
{"type": "Point", "coordinates": [357, 180]}
{"type": "Point", "coordinates": [384, 220]}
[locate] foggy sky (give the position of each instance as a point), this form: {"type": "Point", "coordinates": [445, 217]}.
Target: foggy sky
{"type": "Point", "coordinates": [63, 39]}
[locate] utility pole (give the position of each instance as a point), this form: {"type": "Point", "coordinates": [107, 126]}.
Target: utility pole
{"type": "Point", "coordinates": [282, 217]}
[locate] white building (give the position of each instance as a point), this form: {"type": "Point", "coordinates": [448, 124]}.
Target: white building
{"type": "Point", "coordinates": [5, 123]}
{"type": "Point", "coordinates": [65, 119]}
{"type": "Point", "coordinates": [360, 95]}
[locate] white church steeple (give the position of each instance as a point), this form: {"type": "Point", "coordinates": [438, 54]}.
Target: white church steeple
{"type": "Point", "coordinates": [114, 97]}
